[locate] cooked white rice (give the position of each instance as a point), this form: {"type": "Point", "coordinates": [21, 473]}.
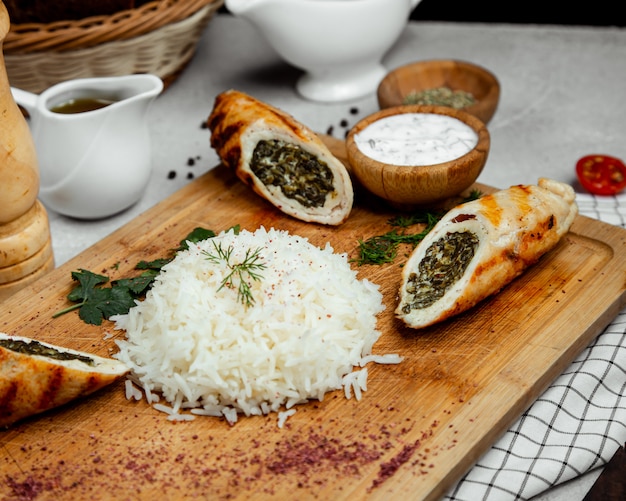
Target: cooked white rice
{"type": "Point", "coordinates": [196, 344]}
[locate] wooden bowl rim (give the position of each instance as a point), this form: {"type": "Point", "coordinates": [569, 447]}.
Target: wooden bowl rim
{"type": "Point", "coordinates": [468, 166]}
{"type": "Point", "coordinates": [477, 125]}
{"type": "Point", "coordinates": [485, 107]}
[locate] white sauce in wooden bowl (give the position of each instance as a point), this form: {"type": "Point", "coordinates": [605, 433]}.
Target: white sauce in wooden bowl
{"type": "Point", "coordinates": [416, 139]}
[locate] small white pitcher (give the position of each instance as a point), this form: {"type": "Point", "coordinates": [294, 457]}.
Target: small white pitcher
{"type": "Point", "coordinates": [338, 43]}
{"type": "Point", "coordinates": [94, 163]}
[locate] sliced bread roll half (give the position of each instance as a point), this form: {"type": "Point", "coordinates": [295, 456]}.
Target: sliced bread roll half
{"type": "Point", "coordinates": [37, 376]}
{"type": "Point", "coordinates": [281, 159]}
{"type": "Point", "coordinates": [479, 247]}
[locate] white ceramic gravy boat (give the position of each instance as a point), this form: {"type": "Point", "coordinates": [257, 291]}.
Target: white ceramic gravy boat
{"type": "Point", "coordinates": [338, 43]}
{"type": "Point", "coordinates": [94, 163]}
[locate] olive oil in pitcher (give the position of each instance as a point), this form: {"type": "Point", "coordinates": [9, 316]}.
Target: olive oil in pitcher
{"type": "Point", "coordinates": [81, 105]}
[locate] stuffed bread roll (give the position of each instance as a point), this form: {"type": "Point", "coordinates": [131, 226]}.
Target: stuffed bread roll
{"type": "Point", "coordinates": [480, 246]}
{"type": "Point", "coordinates": [282, 160]}
{"type": "Point", "coordinates": [37, 376]}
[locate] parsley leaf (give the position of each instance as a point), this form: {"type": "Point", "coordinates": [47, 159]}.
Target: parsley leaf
{"type": "Point", "coordinates": [90, 314]}
{"type": "Point", "coordinates": [118, 301]}
{"type": "Point", "coordinates": [155, 265]}
{"type": "Point", "coordinates": [96, 303]}
{"type": "Point", "coordinates": [138, 285]}
{"type": "Point", "coordinates": [88, 281]}
{"type": "Point", "coordinates": [196, 235]}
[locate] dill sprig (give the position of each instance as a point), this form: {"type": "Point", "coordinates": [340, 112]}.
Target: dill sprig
{"type": "Point", "coordinates": [244, 271]}
{"type": "Point", "coordinates": [383, 248]}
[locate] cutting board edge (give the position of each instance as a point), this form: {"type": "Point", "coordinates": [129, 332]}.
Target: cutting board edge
{"type": "Point", "coordinates": [158, 209]}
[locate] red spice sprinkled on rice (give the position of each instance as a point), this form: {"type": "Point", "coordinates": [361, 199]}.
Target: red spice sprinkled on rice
{"type": "Point", "coordinates": [194, 342]}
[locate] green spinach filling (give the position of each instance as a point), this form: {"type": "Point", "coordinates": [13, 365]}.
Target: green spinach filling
{"type": "Point", "coordinates": [443, 265]}
{"type": "Point", "coordinates": [300, 175]}
{"type": "Point", "coordinates": [36, 348]}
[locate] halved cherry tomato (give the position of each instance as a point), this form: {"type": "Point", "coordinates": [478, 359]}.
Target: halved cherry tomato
{"type": "Point", "coordinates": [601, 174]}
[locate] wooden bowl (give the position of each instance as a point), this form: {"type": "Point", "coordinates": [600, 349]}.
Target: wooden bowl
{"type": "Point", "coordinates": [456, 75]}
{"type": "Point", "coordinates": [408, 186]}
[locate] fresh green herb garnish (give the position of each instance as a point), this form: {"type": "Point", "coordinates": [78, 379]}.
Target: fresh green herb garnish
{"type": "Point", "coordinates": [381, 249]}
{"type": "Point", "coordinates": [199, 234]}
{"type": "Point", "coordinates": [473, 195]}
{"type": "Point", "coordinates": [246, 269]}
{"type": "Point", "coordinates": [96, 303]}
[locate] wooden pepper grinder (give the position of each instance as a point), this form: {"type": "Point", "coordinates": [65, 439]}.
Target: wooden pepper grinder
{"type": "Point", "coordinates": [25, 243]}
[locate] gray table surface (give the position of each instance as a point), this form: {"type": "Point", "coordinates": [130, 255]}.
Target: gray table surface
{"type": "Point", "coordinates": [562, 97]}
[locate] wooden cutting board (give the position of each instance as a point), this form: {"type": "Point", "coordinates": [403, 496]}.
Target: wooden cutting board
{"type": "Point", "coordinates": [418, 428]}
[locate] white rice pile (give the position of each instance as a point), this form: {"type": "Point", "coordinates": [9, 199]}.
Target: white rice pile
{"type": "Point", "coordinates": [197, 345]}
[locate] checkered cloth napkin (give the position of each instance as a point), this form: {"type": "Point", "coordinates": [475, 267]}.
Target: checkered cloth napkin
{"type": "Point", "coordinates": [576, 425]}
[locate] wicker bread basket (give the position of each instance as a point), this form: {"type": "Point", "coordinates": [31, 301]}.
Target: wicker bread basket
{"type": "Point", "coordinates": [159, 37]}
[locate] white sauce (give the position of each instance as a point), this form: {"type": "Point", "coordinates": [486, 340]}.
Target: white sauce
{"type": "Point", "coordinates": [416, 139]}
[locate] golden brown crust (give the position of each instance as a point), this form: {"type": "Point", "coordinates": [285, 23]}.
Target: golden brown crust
{"type": "Point", "coordinates": [31, 384]}
{"type": "Point", "coordinates": [238, 121]}
{"type": "Point", "coordinates": [515, 228]}
{"type": "Point", "coordinates": [234, 111]}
